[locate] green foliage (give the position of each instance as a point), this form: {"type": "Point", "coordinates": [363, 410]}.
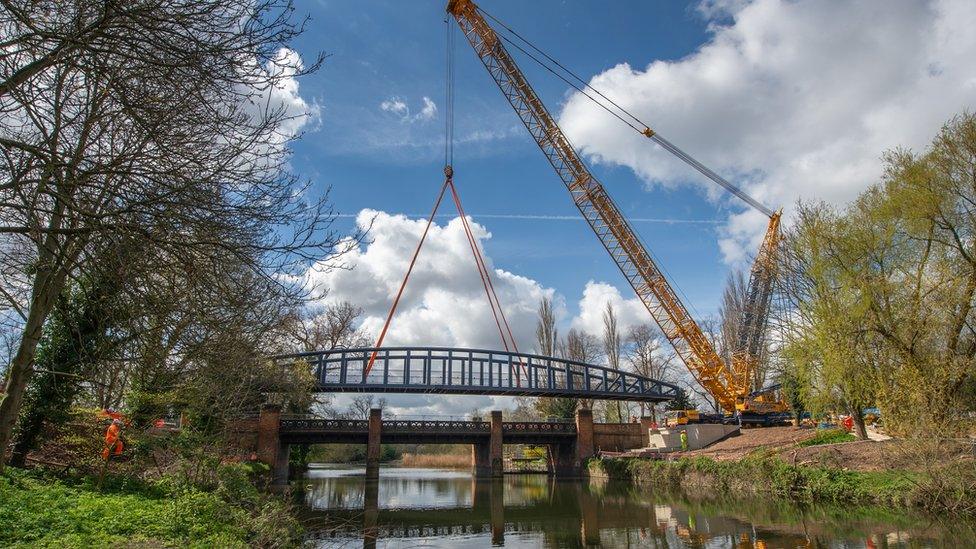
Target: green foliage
{"type": "Point", "coordinates": [828, 436]}
{"type": "Point", "coordinates": [885, 290]}
{"type": "Point", "coordinates": [557, 407]}
{"type": "Point", "coordinates": [680, 402]}
{"type": "Point", "coordinates": [951, 489]}
{"type": "Point", "coordinates": [75, 337]}
{"type": "Point", "coordinates": [42, 511]}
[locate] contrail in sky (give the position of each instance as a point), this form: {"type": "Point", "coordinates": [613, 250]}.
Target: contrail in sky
{"type": "Point", "coordinates": [529, 217]}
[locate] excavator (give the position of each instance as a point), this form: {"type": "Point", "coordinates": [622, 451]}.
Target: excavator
{"type": "Point", "coordinates": [729, 383]}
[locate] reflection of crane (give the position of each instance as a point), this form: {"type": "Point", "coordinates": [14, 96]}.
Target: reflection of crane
{"type": "Point", "coordinates": [730, 384]}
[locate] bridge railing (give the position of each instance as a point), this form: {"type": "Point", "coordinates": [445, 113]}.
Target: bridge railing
{"type": "Point", "coordinates": [433, 369]}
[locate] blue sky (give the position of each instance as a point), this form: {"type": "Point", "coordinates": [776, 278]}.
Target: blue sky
{"type": "Point", "coordinates": [373, 159]}
{"type": "Point", "coordinates": [791, 100]}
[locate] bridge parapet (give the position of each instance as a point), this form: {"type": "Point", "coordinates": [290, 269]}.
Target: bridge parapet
{"type": "Point", "coordinates": [473, 371]}
{"type": "Point", "coordinates": [390, 426]}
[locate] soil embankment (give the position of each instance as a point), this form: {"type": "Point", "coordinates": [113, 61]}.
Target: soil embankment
{"type": "Point", "coordinates": [788, 462]}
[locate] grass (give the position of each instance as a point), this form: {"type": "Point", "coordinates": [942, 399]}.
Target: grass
{"type": "Point", "coordinates": [828, 436]}
{"type": "Point", "coordinates": [38, 510]}
{"type": "Point", "coordinates": [437, 461]}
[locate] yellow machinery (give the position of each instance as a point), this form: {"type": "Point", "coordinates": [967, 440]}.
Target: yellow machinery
{"type": "Point", "coordinates": [730, 384]}
{"type": "Point", "coordinates": [674, 418]}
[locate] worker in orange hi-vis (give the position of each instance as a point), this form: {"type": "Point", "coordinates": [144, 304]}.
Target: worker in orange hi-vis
{"type": "Point", "coordinates": [113, 440]}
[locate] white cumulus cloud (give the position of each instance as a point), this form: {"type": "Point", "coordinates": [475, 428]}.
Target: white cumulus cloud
{"type": "Point", "coordinates": [429, 111]}
{"type": "Point", "coordinates": [596, 295]}
{"type": "Point", "coordinates": [789, 99]}
{"type": "Point", "coordinates": [444, 302]}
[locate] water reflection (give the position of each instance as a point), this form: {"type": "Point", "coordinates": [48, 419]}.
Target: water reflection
{"type": "Point", "coordinates": [410, 507]}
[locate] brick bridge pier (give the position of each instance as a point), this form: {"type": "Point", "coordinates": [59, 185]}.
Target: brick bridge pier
{"type": "Point", "coordinates": [570, 444]}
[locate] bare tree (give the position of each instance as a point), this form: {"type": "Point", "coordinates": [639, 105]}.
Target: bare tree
{"type": "Point", "coordinates": [362, 404]}
{"type": "Point", "coordinates": [648, 357]}
{"type": "Point", "coordinates": [547, 342]}
{"type": "Point", "coordinates": [612, 343]}
{"type": "Point", "coordinates": [335, 326]}
{"type": "Point", "coordinates": [581, 347]}
{"type": "Point", "coordinates": [156, 121]}
{"type": "Point", "coordinates": [734, 303]}
{"type": "Point", "coordinates": [546, 334]}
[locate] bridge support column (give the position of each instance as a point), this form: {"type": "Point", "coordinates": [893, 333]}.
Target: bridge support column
{"type": "Point", "coordinates": [481, 459]}
{"type": "Point", "coordinates": [495, 445]}
{"type": "Point", "coordinates": [646, 423]}
{"type": "Point", "coordinates": [270, 450]}
{"type": "Point", "coordinates": [584, 438]}
{"type": "Point", "coordinates": [564, 462]}
{"type": "Point", "coordinates": [373, 444]}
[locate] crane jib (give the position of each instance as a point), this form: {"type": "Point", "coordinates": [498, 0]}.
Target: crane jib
{"type": "Point", "coordinates": [726, 383]}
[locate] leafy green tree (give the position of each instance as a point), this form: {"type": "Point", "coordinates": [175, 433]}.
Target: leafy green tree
{"type": "Point", "coordinates": [680, 402]}
{"type": "Point", "coordinates": [885, 291]}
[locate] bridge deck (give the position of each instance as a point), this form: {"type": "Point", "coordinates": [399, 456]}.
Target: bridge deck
{"type": "Point", "coordinates": [473, 371]}
{"type": "Point", "coordinates": [314, 430]}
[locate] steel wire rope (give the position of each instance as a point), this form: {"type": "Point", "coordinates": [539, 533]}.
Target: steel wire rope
{"type": "Point", "coordinates": [574, 86]}
{"type": "Point", "coordinates": [403, 284]}
{"type": "Point", "coordinates": [653, 135]}
{"type": "Point", "coordinates": [449, 94]}
{"type": "Point", "coordinates": [665, 144]}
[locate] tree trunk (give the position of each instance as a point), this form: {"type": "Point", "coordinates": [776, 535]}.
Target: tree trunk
{"type": "Point", "coordinates": [860, 430]}
{"type": "Point", "coordinates": [17, 378]}
{"type": "Point", "coordinates": [46, 290]}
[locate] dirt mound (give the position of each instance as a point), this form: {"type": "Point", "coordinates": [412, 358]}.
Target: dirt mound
{"type": "Point", "coordinates": [750, 440]}
{"type": "Point", "coordinates": [860, 455]}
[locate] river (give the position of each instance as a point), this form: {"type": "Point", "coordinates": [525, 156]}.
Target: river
{"type": "Point", "coordinates": [438, 508]}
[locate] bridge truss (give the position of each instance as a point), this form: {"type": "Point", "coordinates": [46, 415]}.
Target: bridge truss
{"type": "Point", "coordinates": [442, 370]}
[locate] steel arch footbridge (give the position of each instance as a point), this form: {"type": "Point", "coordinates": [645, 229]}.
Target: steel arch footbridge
{"type": "Point", "coordinates": [462, 371]}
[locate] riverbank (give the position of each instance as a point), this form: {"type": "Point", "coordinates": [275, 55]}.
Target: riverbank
{"type": "Point", "coordinates": [41, 509]}
{"type": "Point", "coordinates": [939, 480]}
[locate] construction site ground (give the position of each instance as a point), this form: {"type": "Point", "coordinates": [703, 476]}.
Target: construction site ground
{"type": "Point", "coordinates": [867, 455]}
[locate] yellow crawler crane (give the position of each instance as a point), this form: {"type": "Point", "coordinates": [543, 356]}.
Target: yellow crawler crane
{"type": "Point", "coordinates": [730, 384]}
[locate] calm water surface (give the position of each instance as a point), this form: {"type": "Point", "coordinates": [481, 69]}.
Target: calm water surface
{"type": "Point", "coordinates": [435, 508]}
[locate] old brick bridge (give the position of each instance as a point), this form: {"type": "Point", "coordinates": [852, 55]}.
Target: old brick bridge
{"type": "Point", "coordinates": [460, 371]}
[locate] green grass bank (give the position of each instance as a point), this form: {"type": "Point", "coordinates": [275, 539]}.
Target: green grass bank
{"type": "Point", "coordinates": [949, 489]}
{"type": "Point", "coordinates": [39, 509]}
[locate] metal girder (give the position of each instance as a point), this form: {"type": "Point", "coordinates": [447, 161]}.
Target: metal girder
{"type": "Point", "coordinates": [472, 371]}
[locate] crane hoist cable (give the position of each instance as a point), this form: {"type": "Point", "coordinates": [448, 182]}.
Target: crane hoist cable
{"type": "Point", "coordinates": [622, 114]}
{"type": "Point", "coordinates": [498, 313]}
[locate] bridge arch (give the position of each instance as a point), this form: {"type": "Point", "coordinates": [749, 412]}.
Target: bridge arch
{"type": "Point", "coordinates": [447, 370]}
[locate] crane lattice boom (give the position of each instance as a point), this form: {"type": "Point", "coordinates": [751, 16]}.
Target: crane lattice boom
{"type": "Point", "coordinates": [599, 210]}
